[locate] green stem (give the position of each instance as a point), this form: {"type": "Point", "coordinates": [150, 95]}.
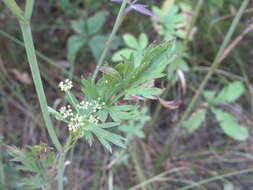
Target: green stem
{"type": "Point", "coordinates": [15, 9]}
{"type": "Point", "coordinates": [61, 167]}
{"type": "Point", "coordinates": [29, 9]}
{"type": "Point", "coordinates": [138, 168]}
{"type": "Point", "coordinates": [30, 50]}
{"type": "Point", "coordinates": [216, 61]}
{"type": "Point", "coordinates": [110, 39]}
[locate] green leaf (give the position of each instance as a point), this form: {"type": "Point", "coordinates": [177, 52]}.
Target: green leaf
{"type": "Point", "coordinates": [78, 27]}
{"type": "Point", "coordinates": [106, 136]}
{"type": "Point", "coordinates": [90, 89]}
{"type": "Point", "coordinates": [123, 112]}
{"type": "Point", "coordinates": [230, 93]}
{"type": "Point", "coordinates": [108, 125]}
{"type": "Point", "coordinates": [148, 93]}
{"type": "Point", "coordinates": [105, 143]}
{"type": "Point", "coordinates": [228, 186]}
{"type": "Point", "coordinates": [123, 52]}
{"type": "Point", "coordinates": [96, 22]}
{"type": "Point", "coordinates": [195, 120]}
{"type": "Point", "coordinates": [89, 137]}
{"type": "Point", "coordinates": [230, 125]}
{"type": "Point", "coordinates": [97, 44]}
{"type": "Point", "coordinates": [75, 43]}
{"type": "Point", "coordinates": [130, 41]}
{"type": "Point", "coordinates": [102, 115]}
{"type": "Point", "coordinates": [143, 41]}
{"type": "Point", "coordinates": [110, 71]}
{"type": "Point", "coordinates": [209, 95]}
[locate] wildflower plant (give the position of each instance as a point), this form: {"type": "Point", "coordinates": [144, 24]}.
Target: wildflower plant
{"type": "Point", "coordinates": [99, 110]}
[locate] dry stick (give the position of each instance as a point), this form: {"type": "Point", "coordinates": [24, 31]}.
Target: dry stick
{"type": "Point", "coordinates": [235, 42]}
{"type": "Point", "coordinates": [189, 30]}
{"type": "Point", "coordinates": [220, 72]}
{"type": "Point", "coordinates": [228, 50]}
{"type": "Point", "coordinates": [157, 177]}
{"type": "Point", "coordinates": [215, 178]}
{"type": "Point", "coordinates": [216, 61]}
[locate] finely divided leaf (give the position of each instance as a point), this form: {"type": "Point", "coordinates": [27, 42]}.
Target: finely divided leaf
{"type": "Point", "coordinates": [149, 93]}
{"type": "Point", "coordinates": [123, 112]}
{"type": "Point", "coordinates": [105, 137]}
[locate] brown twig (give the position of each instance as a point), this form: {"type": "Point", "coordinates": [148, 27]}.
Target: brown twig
{"type": "Point", "coordinates": [235, 42]}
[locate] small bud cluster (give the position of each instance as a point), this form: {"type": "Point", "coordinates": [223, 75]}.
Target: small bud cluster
{"type": "Point", "coordinates": [76, 120]}
{"type": "Point", "coordinates": [66, 85]}
{"type": "Point", "coordinates": [94, 105]}
{"type": "Point", "coordinates": [66, 111]}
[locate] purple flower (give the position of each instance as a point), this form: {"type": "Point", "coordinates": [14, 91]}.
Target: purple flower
{"type": "Point", "coordinates": [117, 1]}
{"type": "Point", "coordinates": [141, 8]}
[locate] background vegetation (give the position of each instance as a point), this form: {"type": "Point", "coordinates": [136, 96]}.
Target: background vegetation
{"type": "Point", "coordinates": [195, 133]}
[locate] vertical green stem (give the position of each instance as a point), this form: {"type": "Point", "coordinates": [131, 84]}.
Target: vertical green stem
{"type": "Point", "coordinates": [111, 37]}
{"type": "Point", "coordinates": [60, 173]}
{"type": "Point", "coordinates": [30, 50]}
{"type": "Point", "coordinates": [216, 62]}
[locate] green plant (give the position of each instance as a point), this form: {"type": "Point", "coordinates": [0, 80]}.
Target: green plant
{"type": "Point", "coordinates": [38, 161]}
{"type": "Point", "coordinates": [229, 123]}
{"type": "Point", "coordinates": [87, 34]}
{"type": "Point", "coordinates": [90, 117]}
{"type": "Point", "coordinates": [169, 24]}
{"type": "Point", "coordinates": [134, 46]}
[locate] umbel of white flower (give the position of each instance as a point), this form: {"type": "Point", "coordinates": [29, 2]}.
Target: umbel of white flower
{"type": "Point", "coordinates": [76, 120]}
{"type": "Point", "coordinates": [66, 85]}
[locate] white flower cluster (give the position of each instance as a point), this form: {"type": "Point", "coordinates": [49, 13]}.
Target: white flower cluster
{"type": "Point", "coordinates": [95, 105]}
{"type": "Point", "coordinates": [65, 85]}
{"type": "Point", "coordinates": [76, 120]}
{"type": "Point", "coordinates": [66, 111]}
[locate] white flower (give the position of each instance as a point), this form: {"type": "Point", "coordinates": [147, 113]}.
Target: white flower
{"type": "Point", "coordinates": [66, 85]}
{"type": "Point", "coordinates": [66, 111]}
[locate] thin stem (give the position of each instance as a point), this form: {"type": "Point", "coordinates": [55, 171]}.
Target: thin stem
{"type": "Point", "coordinates": [60, 173]}
{"type": "Point", "coordinates": [61, 167]}
{"type": "Point", "coordinates": [138, 168]}
{"type": "Point", "coordinates": [29, 9]}
{"type": "Point", "coordinates": [30, 50]}
{"type": "Point", "coordinates": [216, 61]}
{"type": "Point", "coordinates": [110, 39]}
{"type": "Point", "coordinates": [15, 9]}
{"type": "Point", "coordinates": [215, 178]}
